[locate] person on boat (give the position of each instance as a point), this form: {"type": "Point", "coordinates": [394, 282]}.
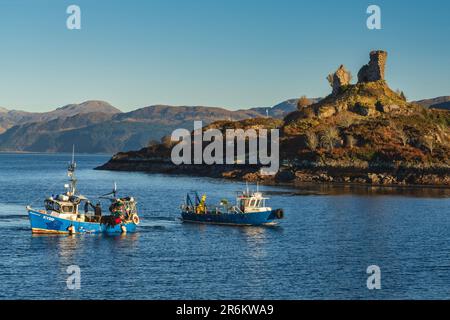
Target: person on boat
{"type": "Point", "coordinates": [98, 210]}
{"type": "Point", "coordinates": [86, 207]}
{"type": "Point", "coordinates": [201, 208]}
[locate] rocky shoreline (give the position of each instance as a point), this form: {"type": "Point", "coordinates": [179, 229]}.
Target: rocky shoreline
{"type": "Point", "coordinates": [402, 176]}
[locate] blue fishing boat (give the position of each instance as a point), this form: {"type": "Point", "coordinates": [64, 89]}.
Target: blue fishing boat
{"type": "Point", "coordinates": [61, 214]}
{"type": "Point", "coordinates": [250, 210]}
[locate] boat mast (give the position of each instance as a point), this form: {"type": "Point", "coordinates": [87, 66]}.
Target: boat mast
{"type": "Point", "coordinates": [71, 174]}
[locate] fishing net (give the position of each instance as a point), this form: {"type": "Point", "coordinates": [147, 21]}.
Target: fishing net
{"type": "Point", "coordinates": [110, 221]}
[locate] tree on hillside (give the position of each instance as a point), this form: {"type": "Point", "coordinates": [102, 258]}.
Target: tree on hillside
{"type": "Point", "coordinates": [311, 140]}
{"type": "Point", "coordinates": [401, 94]}
{"type": "Point", "coordinates": [350, 141]}
{"type": "Point", "coordinates": [427, 142]}
{"type": "Point", "coordinates": [152, 143]}
{"type": "Point", "coordinates": [303, 102]}
{"type": "Point", "coordinates": [329, 138]}
{"type": "Point", "coordinates": [403, 136]}
{"type": "Point", "coordinates": [167, 142]}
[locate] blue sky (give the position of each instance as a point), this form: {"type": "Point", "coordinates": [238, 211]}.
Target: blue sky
{"type": "Point", "coordinates": [228, 53]}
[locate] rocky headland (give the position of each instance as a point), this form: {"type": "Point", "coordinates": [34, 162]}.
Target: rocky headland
{"type": "Point", "coordinates": [362, 133]}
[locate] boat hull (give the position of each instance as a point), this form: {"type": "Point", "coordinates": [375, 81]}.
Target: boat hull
{"type": "Point", "coordinates": [235, 219]}
{"type": "Point", "coordinates": [46, 224]}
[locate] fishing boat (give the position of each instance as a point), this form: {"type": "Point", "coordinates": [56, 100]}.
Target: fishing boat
{"type": "Point", "coordinates": [61, 213]}
{"type": "Point", "coordinates": [250, 210]}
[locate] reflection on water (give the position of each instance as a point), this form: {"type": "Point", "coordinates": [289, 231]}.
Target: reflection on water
{"type": "Point", "coordinates": [256, 234]}
{"type": "Point", "coordinates": [368, 190]}
{"type": "Point", "coordinates": [321, 249]}
{"type": "Point", "coordinates": [256, 240]}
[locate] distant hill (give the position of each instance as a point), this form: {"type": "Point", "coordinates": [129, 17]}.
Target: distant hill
{"type": "Point", "coordinates": [97, 127]}
{"type": "Point", "coordinates": [82, 108]}
{"type": "Point", "coordinates": [282, 109]}
{"type": "Point", "coordinates": [436, 103]}
{"type": "Point", "coordinates": [169, 114]}
{"type": "Point", "coordinates": [49, 136]}
{"type": "Point", "coordinates": [135, 129]}
{"type": "Point", "coordinates": [10, 118]}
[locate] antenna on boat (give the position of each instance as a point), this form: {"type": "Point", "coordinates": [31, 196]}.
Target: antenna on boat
{"type": "Point", "coordinates": [71, 174]}
{"type": "Point", "coordinates": [113, 192]}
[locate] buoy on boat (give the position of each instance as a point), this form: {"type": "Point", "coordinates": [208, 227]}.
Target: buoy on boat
{"type": "Point", "coordinates": [135, 219]}
{"type": "Point", "coordinates": [124, 229]}
{"type": "Point", "coordinates": [71, 229]}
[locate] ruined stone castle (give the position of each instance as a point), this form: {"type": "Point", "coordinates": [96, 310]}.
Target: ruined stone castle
{"type": "Point", "coordinates": [371, 72]}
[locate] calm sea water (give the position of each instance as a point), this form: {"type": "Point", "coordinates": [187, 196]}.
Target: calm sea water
{"type": "Point", "coordinates": [321, 250]}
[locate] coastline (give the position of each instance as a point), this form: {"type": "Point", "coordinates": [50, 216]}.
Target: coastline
{"type": "Point", "coordinates": [55, 153]}
{"type": "Point", "coordinates": [397, 178]}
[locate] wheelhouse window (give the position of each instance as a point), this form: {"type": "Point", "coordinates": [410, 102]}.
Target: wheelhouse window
{"type": "Point", "coordinates": [48, 205]}
{"type": "Point", "coordinates": [67, 209]}
{"type": "Point", "coordinates": [51, 205]}
{"type": "Point", "coordinates": [244, 203]}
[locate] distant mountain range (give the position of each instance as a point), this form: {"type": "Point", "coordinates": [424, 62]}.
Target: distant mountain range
{"type": "Point", "coordinates": [436, 103]}
{"type": "Point", "coordinates": [10, 118]}
{"type": "Point", "coordinates": [98, 127]}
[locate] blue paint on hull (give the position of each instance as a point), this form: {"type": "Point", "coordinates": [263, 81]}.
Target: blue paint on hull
{"type": "Point", "coordinates": [242, 219]}
{"type": "Point", "coordinates": [44, 223]}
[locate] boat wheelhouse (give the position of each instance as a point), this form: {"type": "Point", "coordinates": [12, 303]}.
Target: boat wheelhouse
{"type": "Point", "coordinates": [254, 202]}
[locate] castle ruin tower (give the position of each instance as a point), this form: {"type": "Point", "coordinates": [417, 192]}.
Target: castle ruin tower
{"type": "Point", "coordinates": [374, 70]}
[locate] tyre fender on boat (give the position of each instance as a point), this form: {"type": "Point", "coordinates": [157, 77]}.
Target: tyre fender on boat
{"type": "Point", "coordinates": [135, 219]}
{"type": "Point", "coordinates": [279, 213]}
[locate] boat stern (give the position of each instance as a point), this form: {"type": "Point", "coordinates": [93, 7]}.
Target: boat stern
{"type": "Point", "coordinates": [276, 214]}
